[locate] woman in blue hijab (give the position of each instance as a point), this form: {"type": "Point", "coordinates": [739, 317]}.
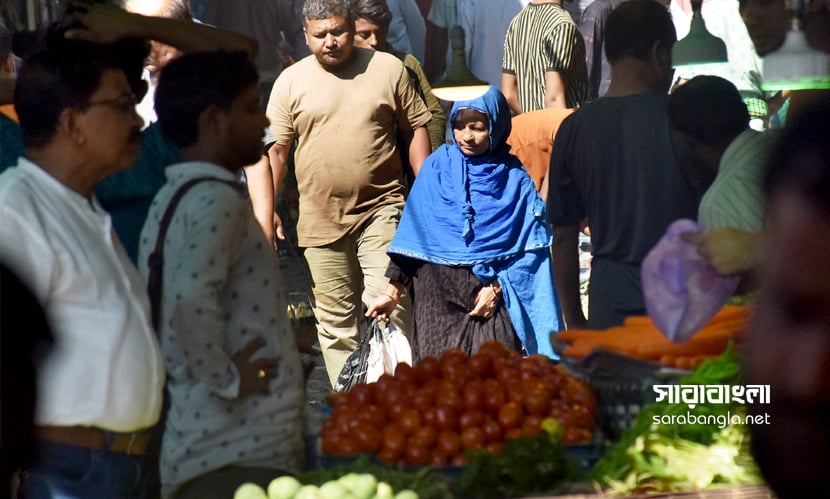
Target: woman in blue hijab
{"type": "Point", "coordinates": [474, 237]}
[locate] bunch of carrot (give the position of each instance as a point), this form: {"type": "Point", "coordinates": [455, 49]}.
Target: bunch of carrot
{"type": "Point", "coordinates": [639, 337]}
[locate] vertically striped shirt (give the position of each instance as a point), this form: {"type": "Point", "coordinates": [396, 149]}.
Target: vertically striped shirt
{"type": "Point", "coordinates": [736, 197]}
{"type": "Point", "coordinates": [542, 38]}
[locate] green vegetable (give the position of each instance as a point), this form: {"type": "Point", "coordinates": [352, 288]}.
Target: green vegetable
{"type": "Point", "coordinates": [525, 466]}
{"type": "Point", "coordinates": [361, 485]}
{"type": "Point", "coordinates": [308, 492]}
{"type": "Point", "coordinates": [681, 457]}
{"type": "Point", "coordinates": [426, 483]}
{"type": "Point", "coordinates": [249, 491]}
{"type": "Point", "coordinates": [284, 487]}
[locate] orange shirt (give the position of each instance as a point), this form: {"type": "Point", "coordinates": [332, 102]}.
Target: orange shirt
{"type": "Point", "coordinates": [531, 140]}
{"type": "Point", "coordinates": [9, 111]}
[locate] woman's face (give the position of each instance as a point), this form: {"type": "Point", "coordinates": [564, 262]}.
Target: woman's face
{"type": "Point", "coordinates": [472, 132]}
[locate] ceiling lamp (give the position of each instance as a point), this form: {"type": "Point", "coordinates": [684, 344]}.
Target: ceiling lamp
{"type": "Point", "coordinates": [699, 46]}
{"type": "Point", "coordinates": [796, 65]}
{"type": "Point", "coordinates": [459, 83]}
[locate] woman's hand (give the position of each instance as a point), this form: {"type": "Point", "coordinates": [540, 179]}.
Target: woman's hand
{"type": "Point", "coordinates": [486, 301]}
{"type": "Point", "coordinates": [386, 302]}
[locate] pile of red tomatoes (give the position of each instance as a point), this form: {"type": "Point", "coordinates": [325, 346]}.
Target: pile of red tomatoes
{"type": "Point", "coordinates": [431, 413]}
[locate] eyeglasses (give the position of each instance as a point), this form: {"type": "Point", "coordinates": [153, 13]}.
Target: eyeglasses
{"type": "Point", "coordinates": [125, 103]}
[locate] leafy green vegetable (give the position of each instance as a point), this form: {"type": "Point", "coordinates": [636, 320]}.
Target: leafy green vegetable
{"type": "Point", "coordinates": [678, 456]}
{"type": "Point", "coordinates": [526, 465]}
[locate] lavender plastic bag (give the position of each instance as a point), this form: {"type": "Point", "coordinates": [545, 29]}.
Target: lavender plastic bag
{"type": "Point", "coordinates": [682, 292]}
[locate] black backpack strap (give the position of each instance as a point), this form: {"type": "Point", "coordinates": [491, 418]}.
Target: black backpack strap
{"type": "Point", "coordinates": [155, 262]}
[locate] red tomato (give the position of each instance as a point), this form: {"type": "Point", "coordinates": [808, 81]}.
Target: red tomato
{"type": "Point", "coordinates": [585, 419]}
{"type": "Point", "coordinates": [394, 395]}
{"type": "Point", "coordinates": [346, 446]}
{"type": "Point", "coordinates": [573, 435]}
{"type": "Point", "coordinates": [558, 408]}
{"type": "Point", "coordinates": [578, 392]}
{"type": "Point", "coordinates": [424, 436]}
{"type": "Point", "coordinates": [429, 417]}
{"type": "Point", "coordinates": [492, 430]}
{"type": "Point", "coordinates": [405, 373]}
{"type": "Point", "coordinates": [408, 421]}
{"type": "Point", "coordinates": [472, 395]}
{"type": "Point", "coordinates": [453, 355]}
{"type": "Point", "coordinates": [394, 411]}
{"type": "Point", "coordinates": [473, 417]}
{"type": "Point", "coordinates": [394, 440]}
{"type": "Point", "coordinates": [457, 373]}
{"type": "Point", "coordinates": [422, 400]}
{"type": "Point", "coordinates": [514, 390]}
{"type": "Point", "coordinates": [445, 418]}
{"type": "Point", "coordinates": [427, 368]}
{"type": "Point", "coordinates": [330, 442]}
{"type": "Point", "coordinates": [437, 459]}
{"type": "Point", "coordinates": [459, 460]}
{"type": "Point", "coordinates": [368, 438]}
{"type": "Point", "coordinates": [536, 402]}
{"type": "Point", "coordinates": [450, 400]}
{"type": "Point", "coordinates": [337, 398]}
{"type": "Point", "coordinates": [510, 416]}
{"type": "Point", "coordinates": [493, 397]}
{"type": "Point", "coordinates": [495, 447]}
{"type": "Point", "coordinates": [416, 456]}
{"type": "Point", "coordinates": [361, 395]}
{"type": "Point", "coordinates": [373, 415]}
{"type": "Point", "coordinates": [512, 433]}
{"type": "Point", "coordinates": [388, 456]}
{"type": "Point", "coordinates": [494, 349]}
{"type": "Point", "coordinates": [481, 365]}
{"type": "Point", "coordinates": [472, 438]}
{"type": "Point", "coordinates": [531, 426]}
{"type": "Point", "coordinates": [449, 443]}
{"type": "Point", "coordinates": [505, 369]}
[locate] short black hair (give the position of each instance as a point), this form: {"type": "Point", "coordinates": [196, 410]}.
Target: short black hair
{"type": "Point", "coordinates": [192, 83]}
{"type": "Point", "coordinates": [710, 109]}
{"type": "Point", "coordinates": [634, 27]}
{"type": "Point", "coordinates": [801, 159]}
{"type": "Point", "coordinates": [62, 76]}
{"type": "Point", "coordinates": [375, 11]}
{"type": "Point", "coordinates": [324, 9]}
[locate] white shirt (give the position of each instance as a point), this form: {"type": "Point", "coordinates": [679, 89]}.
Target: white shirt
{"type": "Point", "coordinates": [221, 289]}
{"type": "Point", "coordinates": [106, 369]}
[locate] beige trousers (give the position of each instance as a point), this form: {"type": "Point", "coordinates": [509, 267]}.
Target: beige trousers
{"type": "Point", "coordinates": [348, 274]}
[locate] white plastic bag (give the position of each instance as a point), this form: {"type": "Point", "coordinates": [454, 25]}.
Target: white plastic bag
{"type": "Point", "coordinates": [386, 351]}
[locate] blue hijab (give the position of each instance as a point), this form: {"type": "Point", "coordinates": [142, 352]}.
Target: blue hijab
{"type": "Point", "coordinates": [484, 212]}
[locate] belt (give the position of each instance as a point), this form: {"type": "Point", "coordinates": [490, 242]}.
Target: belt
{"type": "Point", "coordinates": [132, 444]}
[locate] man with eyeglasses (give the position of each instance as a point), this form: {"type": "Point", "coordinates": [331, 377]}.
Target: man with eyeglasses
{"type": "Point", "coordinates": [101, 390]}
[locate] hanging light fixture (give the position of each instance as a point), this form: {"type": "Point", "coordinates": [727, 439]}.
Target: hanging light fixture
{"type": "Point", "coordinates": [796, 65]}
{"type": "Point", "coordinates": [699, 46]}
{"type": "Point", "coordinates": [459, 83]}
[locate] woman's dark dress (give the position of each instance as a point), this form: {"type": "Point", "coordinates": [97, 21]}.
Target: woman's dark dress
{"type": "Point", "coordinates": [443, 298]}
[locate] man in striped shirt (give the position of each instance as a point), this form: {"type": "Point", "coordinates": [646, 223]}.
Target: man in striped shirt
{"type": "Point", "coordinates": [544, 59]}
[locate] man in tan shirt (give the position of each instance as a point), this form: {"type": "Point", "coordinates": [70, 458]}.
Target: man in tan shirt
{"type": "Point", "coordinates": [343, 105]}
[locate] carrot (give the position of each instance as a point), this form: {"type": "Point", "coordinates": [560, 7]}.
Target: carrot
{"type": "Point", "coordinates": [667, 360]}
{"type": "Point", "coordinates": [712, 345]}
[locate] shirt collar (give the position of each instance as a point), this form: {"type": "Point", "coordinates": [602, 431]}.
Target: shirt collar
{"type": "Point", "coordinates": [193, 169]}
